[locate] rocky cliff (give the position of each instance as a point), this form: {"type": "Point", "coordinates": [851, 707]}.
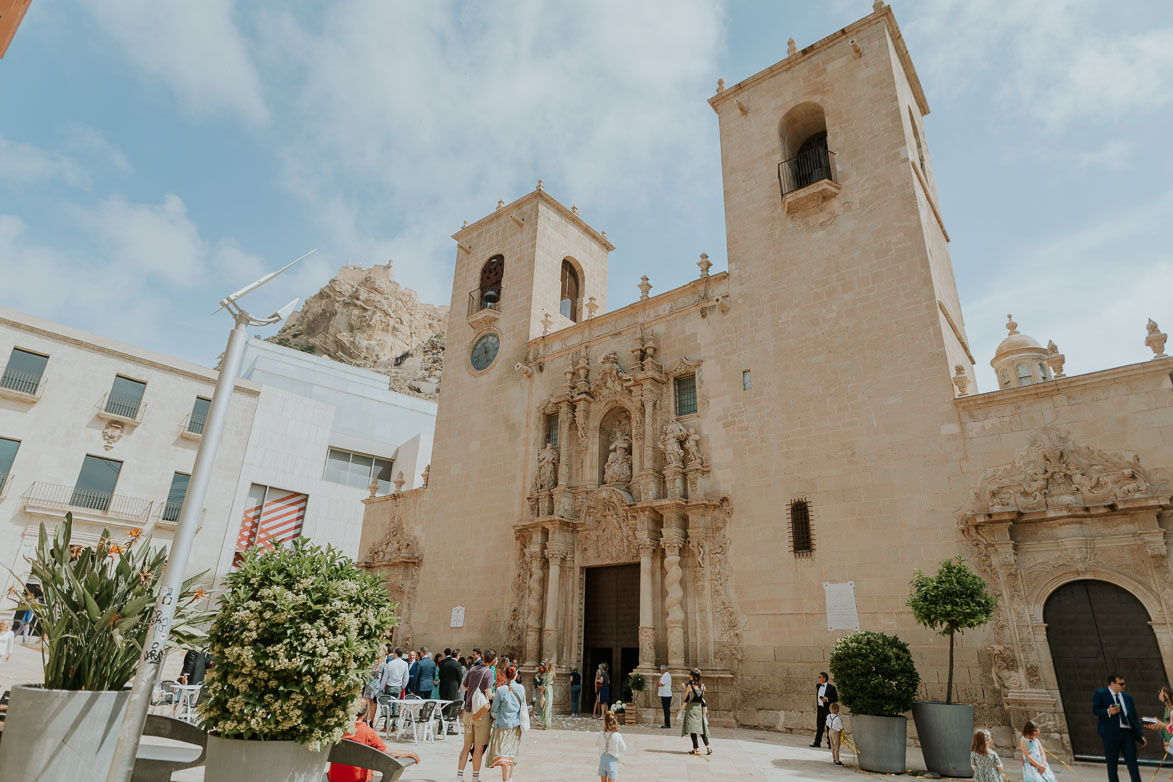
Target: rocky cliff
{"type": "Point", "coordinates": [366, 319]}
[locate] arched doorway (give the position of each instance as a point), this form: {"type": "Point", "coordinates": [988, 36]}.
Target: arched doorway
{"type": "Point", "coordinates": [1093, 629]}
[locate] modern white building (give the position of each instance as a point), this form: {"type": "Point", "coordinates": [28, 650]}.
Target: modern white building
{"type": "Point", "coordinates": [109, 432]}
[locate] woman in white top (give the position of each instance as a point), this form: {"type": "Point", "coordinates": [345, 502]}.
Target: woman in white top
{"type": "Point", "coordinates": [7, 641]}
{"type": "Point", "coordinates": [610, 745]}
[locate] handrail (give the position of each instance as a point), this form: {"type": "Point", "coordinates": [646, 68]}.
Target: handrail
{"type": "Point", "coordinates": [123, 406]}
{"type": "Point", "coordinates": [70, 497]}
{"type": "Point", "coordinates": [22, 382]}
{"type": "Point", "coordinates": [195, 423]}
{"type": "Point", "coordinates": [489, 300]}
{"type": "Point", "coordinates": [814, 165]}
{"type": "Point", "coordinates": [6, 479]}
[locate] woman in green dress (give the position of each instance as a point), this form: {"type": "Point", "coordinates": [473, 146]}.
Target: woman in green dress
{"type": "Point", "coordinates": [694, 713]}
{"type": "Point", "coordinates": [1165, 727]}
{"type": "Point", "coordinates": [546, 702]}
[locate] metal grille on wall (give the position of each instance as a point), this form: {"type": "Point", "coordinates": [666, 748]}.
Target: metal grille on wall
{"type": "Point", "coordinates": [802, 541]}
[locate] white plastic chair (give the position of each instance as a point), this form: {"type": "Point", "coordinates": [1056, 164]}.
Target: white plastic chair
{"type": "Point", "coordinates": [427, 720]}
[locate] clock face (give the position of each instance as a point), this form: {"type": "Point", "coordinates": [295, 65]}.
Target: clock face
{"type": "Point", "coordinates": [484, 351]}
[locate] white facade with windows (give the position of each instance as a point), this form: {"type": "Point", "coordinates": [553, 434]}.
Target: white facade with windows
{"type": "Point", "coordinates": [109, 432]}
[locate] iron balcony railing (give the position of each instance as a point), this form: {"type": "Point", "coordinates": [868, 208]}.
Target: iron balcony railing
{"type": "Point", "coordinates": [195, 423]}
{"type": "Point", "coordinates": [21, 381]}
{"type": "Point", "coordinates": [806, 168]}
{"type": "Point", "coordinates": [5, 479]}
{"type": "Point", "coordinates": [123, 406]}
{"type": "Point", "coordinates": [65, 498]}
{"type": "Point", "coordinates": [486, 300]}
{"type": "Point", "coordinates": [169, 511]}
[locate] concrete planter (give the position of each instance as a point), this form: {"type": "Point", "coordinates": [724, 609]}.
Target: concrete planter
{"type": "Point", "coordinates": [233, 760]}
{"type": "Point", "coordinates": [52, 735]}
{"type": "Point", "coordinates": [945, 732]}
{"type": "Point", "coordinates": [881, 742]}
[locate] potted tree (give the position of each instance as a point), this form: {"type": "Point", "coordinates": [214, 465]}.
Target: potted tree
{"type": "Point", "coordinates": [877, 680]}
{"type": "Point", "coordinates": [94, 611]}
{"type": "Point", "coordinates": [297, 632]}
{"type": "Point", "coordinates": [952, 601]}
{"type": "Point", "coordinates": [634, 683]}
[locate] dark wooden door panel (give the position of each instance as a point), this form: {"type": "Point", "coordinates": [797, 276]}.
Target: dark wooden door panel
{"type": "Point", "coordinates": [610, 625]}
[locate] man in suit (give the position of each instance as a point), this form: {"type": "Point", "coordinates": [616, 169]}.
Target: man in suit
{"type": "Point", "coordinates": [450, 676]}
{"type": "Point", "coordinates": [825, 695]}
{"type": "Point", "coordinates": [1119, 728]}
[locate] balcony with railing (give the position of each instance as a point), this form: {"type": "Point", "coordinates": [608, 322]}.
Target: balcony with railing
{"type": "Point", "coordinates": [20, 385]}
{"type": "Point", "coordinates": [6, 479]}
{"type": "Point", "coordinates": [484, 308]}
{"type": "Point", "coordinates": [808, 179]}
{"type": "Point", "coordinates": [124, 409]}
{"type": "Point", "coordinates": [193, 426]}
{"type": "Point", "coordinates": [101, 507]}
{"type": "Point", "coordinates": [167, 515]}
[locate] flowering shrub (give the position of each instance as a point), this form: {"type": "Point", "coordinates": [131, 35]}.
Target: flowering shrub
{"type": "Point", "coordinates": [96, 606]}
{"type": "Point", "coordinates": [297, 633]}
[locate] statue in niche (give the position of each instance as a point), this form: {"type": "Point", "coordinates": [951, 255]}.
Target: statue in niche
{"type": "Point", "coordinates": [618, 466]}
{"type": "Point", "coordinates": [692, 447]}
{"type": "Point", "coordinates": [547, 475]}
{"type": "Point", "coordinates": [674, 434]}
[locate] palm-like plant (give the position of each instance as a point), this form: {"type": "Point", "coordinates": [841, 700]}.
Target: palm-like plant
{"type": "Point", "coordinates": [97, 604]}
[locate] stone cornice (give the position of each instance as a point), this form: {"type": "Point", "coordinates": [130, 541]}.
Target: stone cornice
{"type": "Point", "coordinates": [884, 14]}
{"type": "Point", "coordinates": [1060, 385]}
{"type": "Point", "coordinates": [541, 196]}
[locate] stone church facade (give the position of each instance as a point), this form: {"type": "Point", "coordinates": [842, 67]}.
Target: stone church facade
{"type": "Point", "coordinates": [686, 479]}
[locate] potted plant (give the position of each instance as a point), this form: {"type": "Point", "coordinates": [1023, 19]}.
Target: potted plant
{"type": "Point", "coordinates": [297, 632]}
{"type": "Point", "coordinates": [635, 683]}
{"type": "Point", "coordinates": [877, 680]}
{"type": "Point", "coordinates": [952, 601]}
{"type": "Point", "coordinates": [94, 610]}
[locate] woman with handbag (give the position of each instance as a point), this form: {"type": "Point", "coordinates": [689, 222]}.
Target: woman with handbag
{"type": "Point", "coordinates": [694, 713]}
{"type": "Point", "coordinates": [510, 720]}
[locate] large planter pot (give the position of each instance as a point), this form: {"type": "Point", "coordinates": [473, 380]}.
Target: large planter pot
{"type": "Point", "coordinates": [233, 760]}
{"type": "Point", "coordinates": [946, 732]}
{"type": "Point", "coordinates": [881, 743]}
{"type": "Point", "coordinates": [53, 735]}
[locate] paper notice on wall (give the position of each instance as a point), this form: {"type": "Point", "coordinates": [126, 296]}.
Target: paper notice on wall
{"type": "Point", "coordinates": [841, 613]}
{"type": "Point", "coordinates": [457, 617]}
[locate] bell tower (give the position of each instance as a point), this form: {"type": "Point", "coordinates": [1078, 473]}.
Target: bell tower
{"type": "Point", "coordinates": [832, 216]}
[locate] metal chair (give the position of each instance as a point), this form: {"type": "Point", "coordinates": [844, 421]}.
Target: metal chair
{"type": "Point", "coordinates": [449, 715]}
{"type": "Point", "coordinates": [388, 709]}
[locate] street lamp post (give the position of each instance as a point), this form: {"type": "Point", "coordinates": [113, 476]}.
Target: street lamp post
{"type": "Point", "coordinates": [201, 475]}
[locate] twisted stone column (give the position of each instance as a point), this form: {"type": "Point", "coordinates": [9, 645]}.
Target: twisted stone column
{"type": "Point", "coordinates": [533, 619]}
{"type": "Point", "coordinates": [673, 601]}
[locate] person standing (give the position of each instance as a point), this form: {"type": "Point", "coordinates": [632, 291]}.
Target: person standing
{"type": "Point", "coordinates": [363, 733]}
{"type": "Point", "coordinates": [602, 690]}
{"type": "Point", "coordinates": [1164, 726]}
{"type": "Point", "coordinates": [546, 704]}
{"type": "Point", "coordinates": [1034, 758]}
{"type": "Point", "coordinates": [476, 723]}
{"type": "Point", "coordinates": [394, 679]}
{"type": "Point", "coordinates": [425, 674]}
{"type": "Point", "coordinates": [835, 732]}
{"type": "Point", "coordinates": [664, 690]}
{"type": "Point", "coordinates": [694, 712]}
{"type": "Point", "coordinates": [986, 765]}
{"type": "Point", "coordinates": [1119, 727]}
{"type": "Point", "coordinates": [195, 667]}
{"type": "Point", "coordinates": [7, 641]}
{"type": "Point", "coordinates": [450, 675]}
{"type": "Point", "coordinates": [508, 712]}
{"type": "Point", "coordinates": [610, 745]}
{"type": "Point", "coordinates": [576, 691]}
{"type": "Point", "coordinates": [825, 695]}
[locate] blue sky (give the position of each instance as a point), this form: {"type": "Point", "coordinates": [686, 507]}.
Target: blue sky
{"type": "Point", "coordinates": [154, 156]}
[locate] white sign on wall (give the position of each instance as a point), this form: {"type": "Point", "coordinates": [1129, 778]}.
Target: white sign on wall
{"type": "Point", "coordinates": [841, 612]}
{"type": "Point", "coordinates": [457, 617]}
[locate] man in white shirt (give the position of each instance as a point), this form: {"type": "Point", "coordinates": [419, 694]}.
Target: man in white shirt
{"type": "Point", "coordinates": [664, 690]}
{"type": "Point", "coordinates": [7, 641]}
{"type": "Point", "coordinates": [394, 677]}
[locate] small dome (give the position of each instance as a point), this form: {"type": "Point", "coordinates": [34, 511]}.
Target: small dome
{"type": "Point", "coordinates": [1016, 340]}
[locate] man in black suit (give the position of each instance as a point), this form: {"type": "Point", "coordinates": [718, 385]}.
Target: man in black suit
{"type": "Point", "coordinates": [825, 695]}
{"type": "Point", "coordinates": [1119, 728]}
{"type": "Point", "coordinates": [450, 675]}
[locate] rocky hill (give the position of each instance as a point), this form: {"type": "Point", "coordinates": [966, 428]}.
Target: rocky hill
{"type": "Point", "coordinates": [364, 318]}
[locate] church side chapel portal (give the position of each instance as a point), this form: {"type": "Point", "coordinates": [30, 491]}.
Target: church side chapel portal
{"type": "Point", "coordinates": [610, 628]}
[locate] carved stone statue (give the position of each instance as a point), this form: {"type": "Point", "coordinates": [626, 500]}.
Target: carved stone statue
{"type": "Point", "coordinates": [673, 454]}
{"type": "Point", "coordinates": [692, 447]}
{"type": "Point", "coordinates": [618, 466]}
{"type": "Point", "coordinates": [547, 475]}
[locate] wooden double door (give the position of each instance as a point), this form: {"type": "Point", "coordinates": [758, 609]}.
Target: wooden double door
{"type": "Point", "coordinates": [1095, 629]}
{"type": "Point", "coordinates": [610, 628]}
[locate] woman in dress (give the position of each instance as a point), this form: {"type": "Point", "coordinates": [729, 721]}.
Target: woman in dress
{"type": "Point", "coordinates": [602, 690]}
{"type": "Point", "coordinates": [1165, 726]}
{"type": "Point", "coordinates": [546, 703]}
{"type": "Point", "coordinates": [987, 766]}
{"type": "Point", "coordinates": [1034, 758]}
{"type": "Point", "coordinates": [536, 693]}
{"type": "Point", "coordinates": [694, 712]}
{"type": "Point", "coordinates": [507, 708]}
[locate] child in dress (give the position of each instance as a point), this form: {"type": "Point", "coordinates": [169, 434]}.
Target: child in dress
{"type": "Point", "coordinates": [1034, 758]}
{"type": "Point", "coordinates": [835, 732]}
{"type": "Point", "coordinates": [610, 744]}
{"type": "Point", "coordinates": [987, 766]}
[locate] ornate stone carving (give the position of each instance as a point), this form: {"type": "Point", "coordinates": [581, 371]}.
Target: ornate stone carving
{"type": "Point", "coordinates": [1055, 472]}
{"type": "Point", "coordinates": [426, 474]}
{"type": "Point", "coordinates": [396, 546]}
{"type": "Point", "coordinates": [647, 643]}
{"type": "Point", "coordinates": [546, 477]}
{"type": "Point", "coordinates": [1005, 672]}
{"type": "Point", "coordinates": [1155, 339]}
{"type": "Point", "coordinates": [612, 380]}
{"type": "Point", "coordinates": [608, 537]}
{"type": "Point", "coordinates": [618, 466]}
{"type": "Point", "coordinates": [515, 624]}
{"type": "Point", "coordinates": [112, 433]}
{"type": "Point", "coordinates": [727, 619]}
{"type": "Point", "coordinates": [674, 432]}
{"type": "Point", "coordinates": [673, 599]}
{"type": "Point", "coordinates": [692, 448]}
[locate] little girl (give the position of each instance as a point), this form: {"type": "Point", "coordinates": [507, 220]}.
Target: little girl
{"type": "Point", "coordinates": [987, 766]}
{"type": "Point", "coordinates": [1034, 757]}
{"type": "Point", "coordinates": [611, 744]}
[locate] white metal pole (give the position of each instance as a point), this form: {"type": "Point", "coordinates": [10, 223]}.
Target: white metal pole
{"type": "Point", "coordinates": [193, 505]}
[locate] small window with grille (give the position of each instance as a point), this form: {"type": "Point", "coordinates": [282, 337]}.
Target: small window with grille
{"type": "Point", "coordinates": [552, 429]}
{"type": "Point", "coordinates": [685, 395]}
{"type": "Point", "coordinates": [802, 542]}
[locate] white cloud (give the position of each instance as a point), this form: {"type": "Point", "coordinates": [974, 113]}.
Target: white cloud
{"type": "Point", "coordinates": [22, 163]}
{"type": "Point", "coordinates": [1115, 155]}
{"type": "Point", "coordinates": [89, 141]}
{"type": "Point", "coordinates": [158, 241]}
{"type": "Point", "coordinates": [195, 49]}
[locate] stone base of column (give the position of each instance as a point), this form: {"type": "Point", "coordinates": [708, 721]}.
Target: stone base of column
{"type": "Point", "coordinates": [549, 645]}
{"type": "Point", "coordinates": [647, 647]}
{"type": "Point", "coordinates": [675, 647]}
{"type": "Point", "coordinates": [533, 640]}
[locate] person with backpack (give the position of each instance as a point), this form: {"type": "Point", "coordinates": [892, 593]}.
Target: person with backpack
{"type": "Point", "coordinates": [510, 720]}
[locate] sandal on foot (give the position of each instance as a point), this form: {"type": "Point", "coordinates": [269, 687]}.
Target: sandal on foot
{"type": "Point", "coordinates": [694, 752]}
{"type": "Point", "coordinates": [708, 750]}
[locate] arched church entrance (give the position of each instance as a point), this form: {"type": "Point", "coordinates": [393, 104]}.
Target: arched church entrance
{"type": "Point", "coordinates": [610, 628]}
{"type": "Point", "coordinates": [1095, 628]}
